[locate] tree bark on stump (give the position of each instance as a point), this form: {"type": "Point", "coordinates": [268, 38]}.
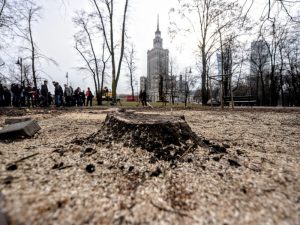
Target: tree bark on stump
{"type": "Point", "coordinates": [168, 137]}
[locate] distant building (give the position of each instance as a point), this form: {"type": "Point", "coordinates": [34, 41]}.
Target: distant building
{"type": "Point", "coordinates": [143, 84]}
{"type": "Point", "coordinates": [259, 67]}
{"type": "Point", "coordinates": [260, 58]}
{"type": "Point", "coordinates": [156, 83]}
{"type": "Point", "coordinates": [219, 63]}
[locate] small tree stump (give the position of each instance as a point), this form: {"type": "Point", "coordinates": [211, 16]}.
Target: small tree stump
{"type": "Point", "coordinates": [16, 120]}
{"type": "Point", "coordinates": [22, 129]}
{"type": "Point", "coordinates": [168, 137]}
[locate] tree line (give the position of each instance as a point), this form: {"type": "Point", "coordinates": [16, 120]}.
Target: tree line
{"type": "Point", "coordinates": [222, 28]}
{"type": "Point", "coordinates": [254, 55]}
{"type": "Point", "coordinates": [99, 41]}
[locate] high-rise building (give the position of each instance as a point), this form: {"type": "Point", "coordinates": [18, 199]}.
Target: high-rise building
{"type": "Point", "coordinates": [260, 57]}
{"type": "Point", "coordinates": [143, 84]}
{"type": "Point", "coordinates": [157, 68]}
{"type": "Point", "coordinates": [259, 70]}
{"type": "Point", "coordinates": [219, 63]}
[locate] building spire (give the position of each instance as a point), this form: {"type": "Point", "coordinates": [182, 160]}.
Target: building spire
{"type": "Point", "coordinates": [157, 22]}
{"type": "Point", "coordinates": [157, 40]}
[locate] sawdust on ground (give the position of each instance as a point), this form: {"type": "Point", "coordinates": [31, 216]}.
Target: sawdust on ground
{"type": "Point", "coordinates": [256, 182]}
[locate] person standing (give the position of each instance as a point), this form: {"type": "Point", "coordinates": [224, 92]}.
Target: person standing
{"type": "Point", "coordinates": [44, 94]}
{"type": "Point", "coordinates": [72, 100]}
{"type": "Point", "coordinates": [58, 92]}
{"type": "Point", "coordinates": [77, 96]}
{"type": "Point", "coordinates": [89, 97]}
{"type": "Point", "coordinates": [36, 97]}
{"type": "Point", "coordinates": [28, 94]}
{"type": "Point", "coordinates": [105, 92]}
{"type": "Point", "coordinates": [144, 98]}
{"type": "Point", "coordinates": [16, 91]}
{"type": "Point", "coordinates": [22, 96]}
{"type": "Point", "coordinates": [1, 95]}
{"type": "Point", "coordinates": [68, 95]}
{"type": "Point", "coordinates": [7, 96]}
{"type": "Point", "coordinates": [82, 98]}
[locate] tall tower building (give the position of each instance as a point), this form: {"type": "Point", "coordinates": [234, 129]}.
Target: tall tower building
{"type": "Point", "coordinates": [260, 57]}
{"type": "Point", "coordinates": [259, 68]}
{"type": "Point", "coordinates": [157, 67]}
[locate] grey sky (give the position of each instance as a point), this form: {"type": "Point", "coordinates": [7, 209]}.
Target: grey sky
{"type": "Point", "coordinates": [54, 36]}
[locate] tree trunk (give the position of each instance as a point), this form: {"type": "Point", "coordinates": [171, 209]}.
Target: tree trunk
{"type": "Point", "coordinates": [102, 80]}
{"type": "Point", "coordinates": [96, 72]}
{"type": "Point", "coordinates": [114, 91]}
{"type": "Point", "coordinates": [263, 89]}
{"type": "Point", "coordinates": [273, 87]}
{"type": "Point", "coordinates": [203, 78]}
{"type": "Point", "coordinates": [32, 50]}
{"type": "Point", "coordinates": [101, 89]}
{"type": "Point", "coordinates": [132, 89]}
{"type": "Point", "coordinates": [257, 89]}
{"type": "Point", "coordinates": [281, 78]}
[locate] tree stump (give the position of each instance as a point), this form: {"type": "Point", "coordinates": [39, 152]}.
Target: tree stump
{"type": "Point", "coordinates": [168, 137]}
{"type": "Point", "coordinates": [22, 129]}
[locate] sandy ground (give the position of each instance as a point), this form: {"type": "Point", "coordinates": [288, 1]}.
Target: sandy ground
{"type": "Point", "coordinates": [256, 182]}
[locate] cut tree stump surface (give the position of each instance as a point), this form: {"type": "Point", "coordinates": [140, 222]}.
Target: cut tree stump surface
{"type": "Point", "coordinates": [146, 119]}
{"type": "Point", "coordinates": [17, 130]}
{"type": "Point", "coordinates": [16, 120]}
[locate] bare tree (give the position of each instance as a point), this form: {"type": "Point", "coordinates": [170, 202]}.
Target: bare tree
{"type": "Point", "coordinates": [278, 33]}
{"type": "Point", "coordinates": [284, 5]}
{"type": "Point", "coordinates": [85, 46]}
{"type": "Point", "coordinates": [131, 65]}
{"type": "Point", "coordinates": [7, 18]}
{"type": "Point", "coordinates": [106, 13]}
{"type": "Point", "coordinates": [292, 69]}
{"type": "Point", "coordinates": [189, 83]}
{"type": "Point", "coordinates": [259, 69]}
{"type": "Point", "coordinates": [32, 14]}
{"type": "Point", "coordinates": [172, 84]}
{"type": "Point", "coordinates": [230, 26]}
{"type": "Point", "coordinates": [208, 14]}
{"type": "Point", "coordinates": [10, 16]}
{"type": "Point", "coordinates": [3, 5]}
{"type": "Point", "coordinates": [20, 20]}
{"type": "Point", "coordinates": [281, 47]}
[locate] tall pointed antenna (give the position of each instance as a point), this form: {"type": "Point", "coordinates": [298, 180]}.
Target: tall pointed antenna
{"type": "Point", "coordinates": [158, 22]}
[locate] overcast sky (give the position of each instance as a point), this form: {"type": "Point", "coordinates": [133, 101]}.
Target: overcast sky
{"type": "Point", "coordinates": [54, 36]}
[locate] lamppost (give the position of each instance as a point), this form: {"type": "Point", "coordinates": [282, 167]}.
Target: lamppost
{"type": "Point", "coordinates": [20, 63]}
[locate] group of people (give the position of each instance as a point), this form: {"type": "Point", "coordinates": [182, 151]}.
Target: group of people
{"type": "Point", "coordinates": [19, 96]}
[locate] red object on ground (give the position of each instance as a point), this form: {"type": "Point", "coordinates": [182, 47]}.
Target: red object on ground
{"type": "Point", "coordinates": [130, 98]}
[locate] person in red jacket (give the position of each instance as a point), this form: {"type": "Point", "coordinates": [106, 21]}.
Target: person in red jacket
{"type": "Point", "coordinates": [89, 97]}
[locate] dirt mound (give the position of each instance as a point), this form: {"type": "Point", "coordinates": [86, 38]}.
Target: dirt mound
{"type": "Point", "coordinates": [168, 137]}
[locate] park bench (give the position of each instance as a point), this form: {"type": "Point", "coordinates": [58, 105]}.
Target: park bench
{"type": "Point", "coordinates": [241, 100]}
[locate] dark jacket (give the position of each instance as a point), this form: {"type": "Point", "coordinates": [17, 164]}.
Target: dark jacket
{"type": "Point", "coordinates": [44, 90]}
{"type": "Point", "coordinates": [58, 90]}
